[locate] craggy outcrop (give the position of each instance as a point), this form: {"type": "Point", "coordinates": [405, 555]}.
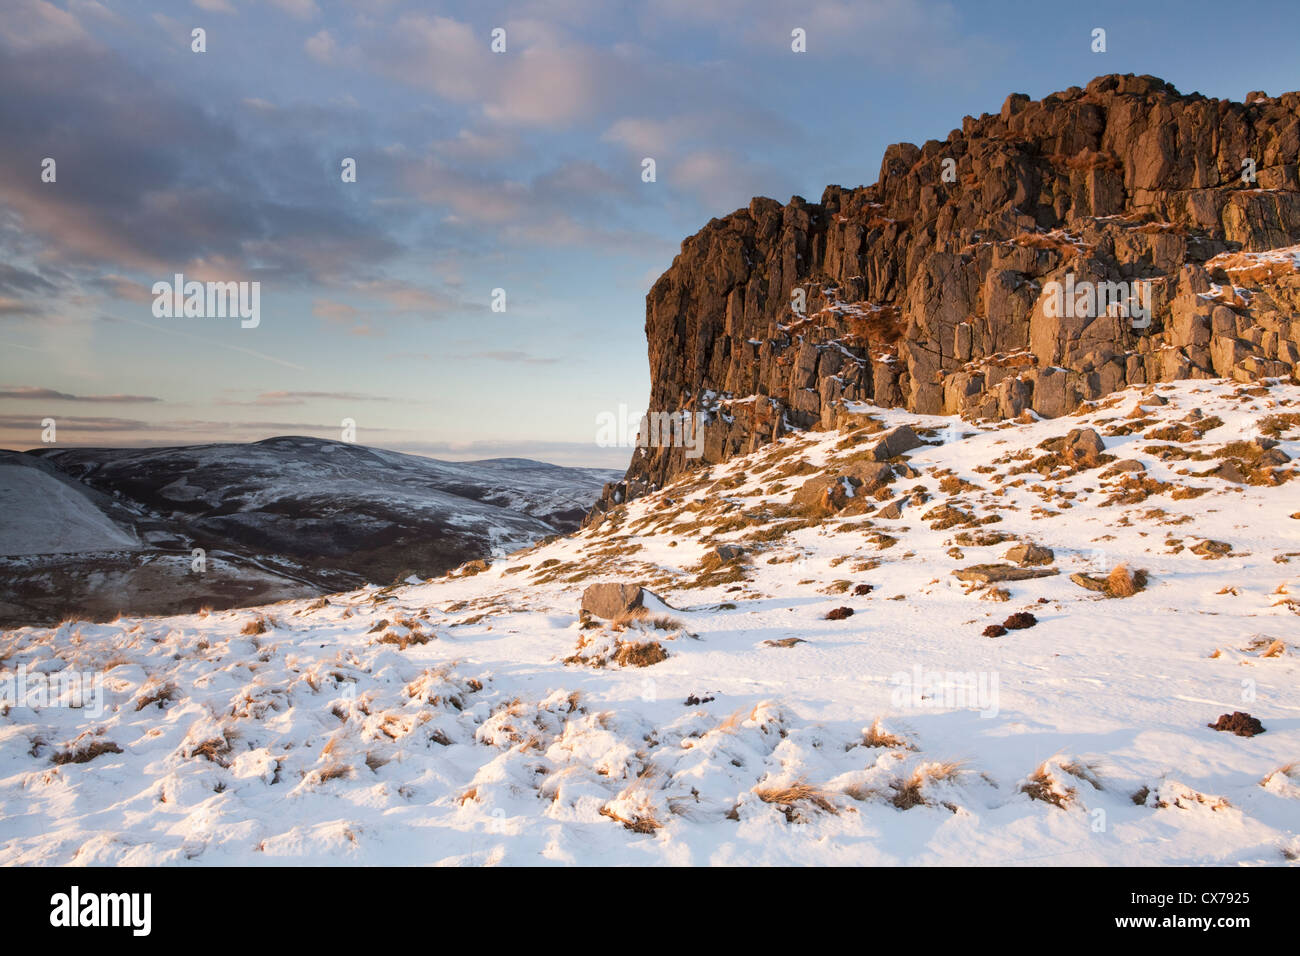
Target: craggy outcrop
{"type": "Point", "coordinates": [927, 289]}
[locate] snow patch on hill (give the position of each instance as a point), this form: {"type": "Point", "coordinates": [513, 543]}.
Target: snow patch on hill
{"type": "Point", "coordinates": [42, 515]}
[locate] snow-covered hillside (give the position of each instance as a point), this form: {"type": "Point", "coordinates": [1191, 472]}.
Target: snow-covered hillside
{"type": "Point", "coordinates": [101, 530]}
{"type": "Point", "coordinates": [479, 719]}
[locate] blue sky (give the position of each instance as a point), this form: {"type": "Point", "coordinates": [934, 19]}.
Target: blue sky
{"type": "Point", "coordinates": [475, 171]}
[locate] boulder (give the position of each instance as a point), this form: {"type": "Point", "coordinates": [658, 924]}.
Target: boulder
{"type": "Point", "coordinates": [609, 600]}
{"type": "Point", "coordinates": [990, 573]}
{"type": "Point", "coordinates": [1030, 554]}
{"type": "Point", "coordinates": [721, 554]}
{"type": "Point", "coordinates": [895, 442]}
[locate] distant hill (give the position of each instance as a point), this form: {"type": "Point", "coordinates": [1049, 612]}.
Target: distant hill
{"type": "Point", "coordinates": [95, 531]}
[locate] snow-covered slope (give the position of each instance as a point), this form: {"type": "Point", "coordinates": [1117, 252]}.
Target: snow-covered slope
{"type": "Point", "coordinates": [479, 719]}
{"type": "Point", "coordinates": [41, 515]}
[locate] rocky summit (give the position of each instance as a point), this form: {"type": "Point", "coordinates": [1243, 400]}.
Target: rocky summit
{"type": "Point", "coordinates": [1034, 260]}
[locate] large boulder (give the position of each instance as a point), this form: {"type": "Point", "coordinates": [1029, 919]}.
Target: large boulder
{"type": "Point", "coordinates": [895, 442]}
{"type": "Point", "coordinates": [609, 600]}
{"type": "Point", "coordinates": [994, 573]}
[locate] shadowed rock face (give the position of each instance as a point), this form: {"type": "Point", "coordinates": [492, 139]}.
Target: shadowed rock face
{"type": "Point", "coordinates": [927, 289]}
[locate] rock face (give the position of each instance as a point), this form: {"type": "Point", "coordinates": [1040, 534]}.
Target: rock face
{"type": "Point", "coordinates": [932, 289]}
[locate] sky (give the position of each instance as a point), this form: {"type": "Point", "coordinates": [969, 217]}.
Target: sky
{"type": "Point", "coordinates": [476, 171]}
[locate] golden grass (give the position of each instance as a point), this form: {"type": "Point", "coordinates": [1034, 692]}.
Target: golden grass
{"type": "Point", "coordinates": [877, 736]}
{"type": "Point", "coordinates": [1046, 786]}
{"type": "Point", "coordinates": [638, 823]}
{"type": "Point", "coordinates": [334, 772]}
{"type": "Point", "coordinates": [155, 693]}
{"type": "Point", "coordinates": [788, 798]}
{"type": "Point", "coordinates": [909, 791]}
{"type": "Point", "coordinates": [85, 751]}
{"type": "Point", "coordinates": [1289, 770]}
{"type": "Point", "coordinates": [1121, 582]}
{"type": "Point", "coordinates": [640, 654]}
{"type": "Point", "coordinates": [643, 617]}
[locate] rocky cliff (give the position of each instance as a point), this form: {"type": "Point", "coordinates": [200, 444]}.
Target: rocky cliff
{"type": "Point", "coordinates": [930, 288]}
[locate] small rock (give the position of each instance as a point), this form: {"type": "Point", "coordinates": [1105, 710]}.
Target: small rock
{"type": "Point", "coordinates": [1239, 723]}
{"type": "Point", "coordinates": [785, 642]}
{"type": "Point", "coordinates": [1212, 549]}
{"type": "Point", "coordinates": [721, 554]}
{"type": "Point", "coordinates": [1229, 470]}
{"type": "Point", "coordinates": [1089, 581]}
{"type": "Point", "coordinates": [862, 589]}
{"type": "Point", "coordinates": [1019, 621]}
{"type": "Point", "coordinates": [839, 613]}
{"type": "Point", "coordinates": [892, 510]}
{"type": "Point", "coordinates": [1030, 554]}
{"type": "Point", "coordinates": [994, 630]}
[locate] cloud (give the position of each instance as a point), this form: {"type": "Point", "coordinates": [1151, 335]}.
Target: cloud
{"type": "Point", "coordinates": [299, 9]}
{"type": "Point", "coordinates": [889, 32]}
{"type": "Point", "coordinates": [37, 393]}
{"type": "Point", "coordinates": [279, 398]}
{"type": "Point", "coordinates": [542, 80]}
{"type": "Point", "coordinates": [322, 47]}
{"type": "Point", "coordinates": [215, 6]}
{"type": "Point", "coordinates": [33, 24]}
{"type": "Point", "coordinates": [511, 355]}
{"type": "Point", "coordinates": [339, 313]}
{"type": "Point", "coordinates": [10, 306]}
{"type": "Point", "coordinates": [146, 183]}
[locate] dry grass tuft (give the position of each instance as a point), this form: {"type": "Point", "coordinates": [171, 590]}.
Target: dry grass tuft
{"type": "Point", "coordinates": [334, 772]}
{"type": "Point", "coordinates": [256, 626]}
{"type": "Point", "coordinates": [1046, 786]}
{"type": "Point", "coordinates": [85, 749]}
{"type": "Point", "coordinates": [640, 654]}
{"type": "Point", "coordinates": [638, 823]}
{"type": "Point", "coordinates": [1289, 770]}
{"type": "Point", "coordinates": [877, 736]}
{"type": "Point", "coordinates": [788, 798]}
{"type": "Point", "coordinates": [641, 617]}
{"type": "Point", "coordinates": [155, 693]}
{"type": "Point", "coordinates": [909, 791]}
{"type": "Point", "coordinates": [1121, 582]}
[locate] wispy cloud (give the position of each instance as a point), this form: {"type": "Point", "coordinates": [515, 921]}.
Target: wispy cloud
{"type": "Point", "coordinates": [37, 393]}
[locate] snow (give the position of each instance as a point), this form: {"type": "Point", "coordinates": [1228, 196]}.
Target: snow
{"type": "Point", "coordinates": [314, 742]}
{"type": "Point", "coordinates": [42, 515]}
